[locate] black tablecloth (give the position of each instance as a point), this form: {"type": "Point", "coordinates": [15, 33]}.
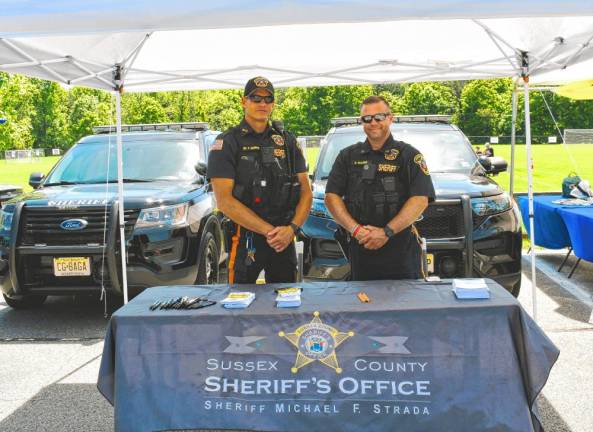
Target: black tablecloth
{"type": "Point", "coordinates": [413, 359]}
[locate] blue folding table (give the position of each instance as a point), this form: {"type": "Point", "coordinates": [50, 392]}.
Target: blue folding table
{"type": "Point", "coordinates": [558, 226]}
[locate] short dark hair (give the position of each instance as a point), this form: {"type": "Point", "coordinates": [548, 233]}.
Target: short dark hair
{"type": "Point", "coordinates": [375, 99]}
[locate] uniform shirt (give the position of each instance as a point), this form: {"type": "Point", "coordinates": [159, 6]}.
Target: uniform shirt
{"type": "Point", "coordinates": [394, 158]}
{"type": "Point", "coordinates": [222, 159]}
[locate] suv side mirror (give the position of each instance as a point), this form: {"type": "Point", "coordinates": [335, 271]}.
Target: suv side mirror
{"type": "Point", "coordinates": [201, 168]}
{"type": "Point", "coordinates": [35, 179]}
{"type": "Point", "coordinates": [494, 164]}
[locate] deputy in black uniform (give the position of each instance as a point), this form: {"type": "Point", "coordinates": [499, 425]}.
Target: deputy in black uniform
{"type": "Point", "coordinates": [376, 190]}
{"type": "Point", "coordinates": [260, 180]}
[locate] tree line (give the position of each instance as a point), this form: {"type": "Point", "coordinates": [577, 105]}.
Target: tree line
{"type": "Point", "coordinates": [42, 114]}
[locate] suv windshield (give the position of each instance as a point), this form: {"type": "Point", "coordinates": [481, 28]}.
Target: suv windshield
{"type": "Point", "coordinates": [142, 161]}
{"type": "Point", "coordinates": [445, 150]}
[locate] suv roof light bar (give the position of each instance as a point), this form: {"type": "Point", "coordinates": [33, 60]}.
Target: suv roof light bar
{"type": "Point", "coordinates": [187, 126]}
{"type": "Point", "coordinates": [418, 118]}
{"type": "Point", "coordinates": [423, 118]}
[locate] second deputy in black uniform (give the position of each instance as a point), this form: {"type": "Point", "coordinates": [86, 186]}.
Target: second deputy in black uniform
{"type": "Point", "coordinates": [260, 180]}
{"type": "Point", "coordinates": [376, 190]}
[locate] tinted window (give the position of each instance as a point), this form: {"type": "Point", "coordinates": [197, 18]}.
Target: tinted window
{"type": "Point", "coordinates": [142, 160]}
{"type": "Point", "coordinates": [444, 150]}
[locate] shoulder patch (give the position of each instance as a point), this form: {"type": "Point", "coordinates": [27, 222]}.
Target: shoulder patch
{"type": "Point", "coordinates": [217, 144]}
{"type": "Point", "coordinates": [419, 160]}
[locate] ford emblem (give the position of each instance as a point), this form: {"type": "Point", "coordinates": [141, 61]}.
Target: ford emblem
{"type": "Point", "coordinates": [73, 224]}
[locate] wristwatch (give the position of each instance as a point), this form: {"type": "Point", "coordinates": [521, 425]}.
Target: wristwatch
{"type": "Point", "coordinates": [295, 228]}
{"type": "Point", "coordinates": [388, 231]}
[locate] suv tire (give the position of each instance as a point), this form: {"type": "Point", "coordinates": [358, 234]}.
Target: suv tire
{"type": "Point", "coordinates": [208, 269]}
{"type": "Point", "coordinates": [516, 288]}
{"type": "Point", "coordinates": [25, 302]}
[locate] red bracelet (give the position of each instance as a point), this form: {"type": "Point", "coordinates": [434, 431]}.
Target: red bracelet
{"type": "Point", "coordinates": [358, 227]}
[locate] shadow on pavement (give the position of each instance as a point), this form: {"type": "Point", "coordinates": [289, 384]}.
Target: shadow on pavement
{"type": "Point", "coordinates": [551, 419]}
{"type": "Point", "coordinates": [568, 305]}
{"type": "Point", "coordinates": [59, 318]}
{"type": "Point", "coordinates": [62, 408]}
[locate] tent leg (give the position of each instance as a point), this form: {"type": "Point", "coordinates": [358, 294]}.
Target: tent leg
{"type": "Point", "coordinates": [574, 267]}
{"type": "Point", "coordinates": [120, 197]}
{"type": "Point", "coordinates": [513, 140]}
{"type": "Point", "coordinates": [565, 259]}
{"type": "Point", "coordinates": [530, 192]}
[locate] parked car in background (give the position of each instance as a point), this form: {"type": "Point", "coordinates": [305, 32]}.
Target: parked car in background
{"type": "Point", "coordinates": [9, 191]}
{"type": "Point", "coordinates": [472, 229]}
{"type": "Point", "coordinates": [63, 237]}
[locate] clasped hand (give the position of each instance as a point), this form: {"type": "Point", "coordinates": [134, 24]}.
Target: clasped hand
{"type": "Point", "coordinates": [371, 237]}
{"type": "Point", "coordinates": [280, 237]}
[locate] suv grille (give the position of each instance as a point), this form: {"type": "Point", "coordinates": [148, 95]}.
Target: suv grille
{"type": "Point", "coordinates": [41, 225]}
{"type": "Point", "coordinates": [442, 221]}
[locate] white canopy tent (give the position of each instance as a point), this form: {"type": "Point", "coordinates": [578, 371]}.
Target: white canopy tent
{"type": "Point", "coordinates": [145, 45]}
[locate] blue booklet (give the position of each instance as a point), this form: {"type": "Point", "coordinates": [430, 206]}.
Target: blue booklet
{"type": "Point", "coordinates": [471, 289]}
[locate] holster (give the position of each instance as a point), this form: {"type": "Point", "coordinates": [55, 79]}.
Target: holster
{"type": "Point", "coordinates": [229, 229]}
{"type": "Point", "coordinates": [343, 238]}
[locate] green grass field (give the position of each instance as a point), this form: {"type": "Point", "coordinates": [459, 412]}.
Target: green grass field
{"type": "Point", "coordinates": [12, 172]}
{"type": "Point", "coordinates": [551, 164]}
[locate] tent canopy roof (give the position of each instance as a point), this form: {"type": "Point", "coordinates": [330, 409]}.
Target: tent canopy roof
{"type": "Point", "coordinates": [200, 45]}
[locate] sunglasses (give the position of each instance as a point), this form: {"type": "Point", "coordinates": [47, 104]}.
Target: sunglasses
{"type": "Point", "coordinates": [377, 117]}
{"type": "Point", "coordinates": [258, 98]}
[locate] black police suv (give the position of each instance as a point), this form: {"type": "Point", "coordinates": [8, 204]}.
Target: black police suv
{"type": "Point", "coordinates": [472, 229]}
{"type": "Point", "coordinates": [63, 237]}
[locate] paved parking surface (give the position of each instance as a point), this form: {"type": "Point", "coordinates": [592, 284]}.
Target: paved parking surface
{"type": "Point", "coordinates": [49, 358]}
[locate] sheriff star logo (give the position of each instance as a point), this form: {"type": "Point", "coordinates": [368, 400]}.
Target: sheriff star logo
{"type": "Point", "coordinates": [261, 82]}
{"type": "Point", "coordinates": [391, 154]}
{"type": "Point", "coordinates": [278, 140]}
{"type": "Point", "coordinates": [316, 341]}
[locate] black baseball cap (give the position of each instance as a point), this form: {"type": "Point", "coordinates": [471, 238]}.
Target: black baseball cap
{"type": "Point", "coordinates": [256, 83]}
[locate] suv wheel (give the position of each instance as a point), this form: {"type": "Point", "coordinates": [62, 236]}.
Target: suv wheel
{"type": "Point", "coordinates": [24, 302]}
{"type": "Point", "coordinates": [516, 288]}
{"type": "Point", "coordinates": [208, 267]}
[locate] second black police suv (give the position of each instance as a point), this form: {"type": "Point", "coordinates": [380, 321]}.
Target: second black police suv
{"type": "Point", "coordinates": [471, 229]}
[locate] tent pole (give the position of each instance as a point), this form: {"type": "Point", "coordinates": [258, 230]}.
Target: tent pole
{"type": "Point", "coordinates": [513, 141]}
{"type": "Point", "coordinates": [530, 191]}
{"type": "Point", "coordinates": [120, 196]}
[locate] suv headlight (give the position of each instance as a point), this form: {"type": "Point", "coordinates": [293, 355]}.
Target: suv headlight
{"type": "Point", "coordinates": [5, 220]}
{"type": "Point", "coordinates": [165, 216]}
{"type": "Point", "coordinates": [491, 205]}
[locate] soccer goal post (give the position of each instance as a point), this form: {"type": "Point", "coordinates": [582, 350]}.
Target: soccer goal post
{"type": "Point", "coordinates": [578, 136]}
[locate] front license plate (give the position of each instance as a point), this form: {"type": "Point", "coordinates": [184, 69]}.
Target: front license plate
{"type": "Point", "coordinates": [430, 262]}
{"type": "Point", "coordinates": [72, 266]}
